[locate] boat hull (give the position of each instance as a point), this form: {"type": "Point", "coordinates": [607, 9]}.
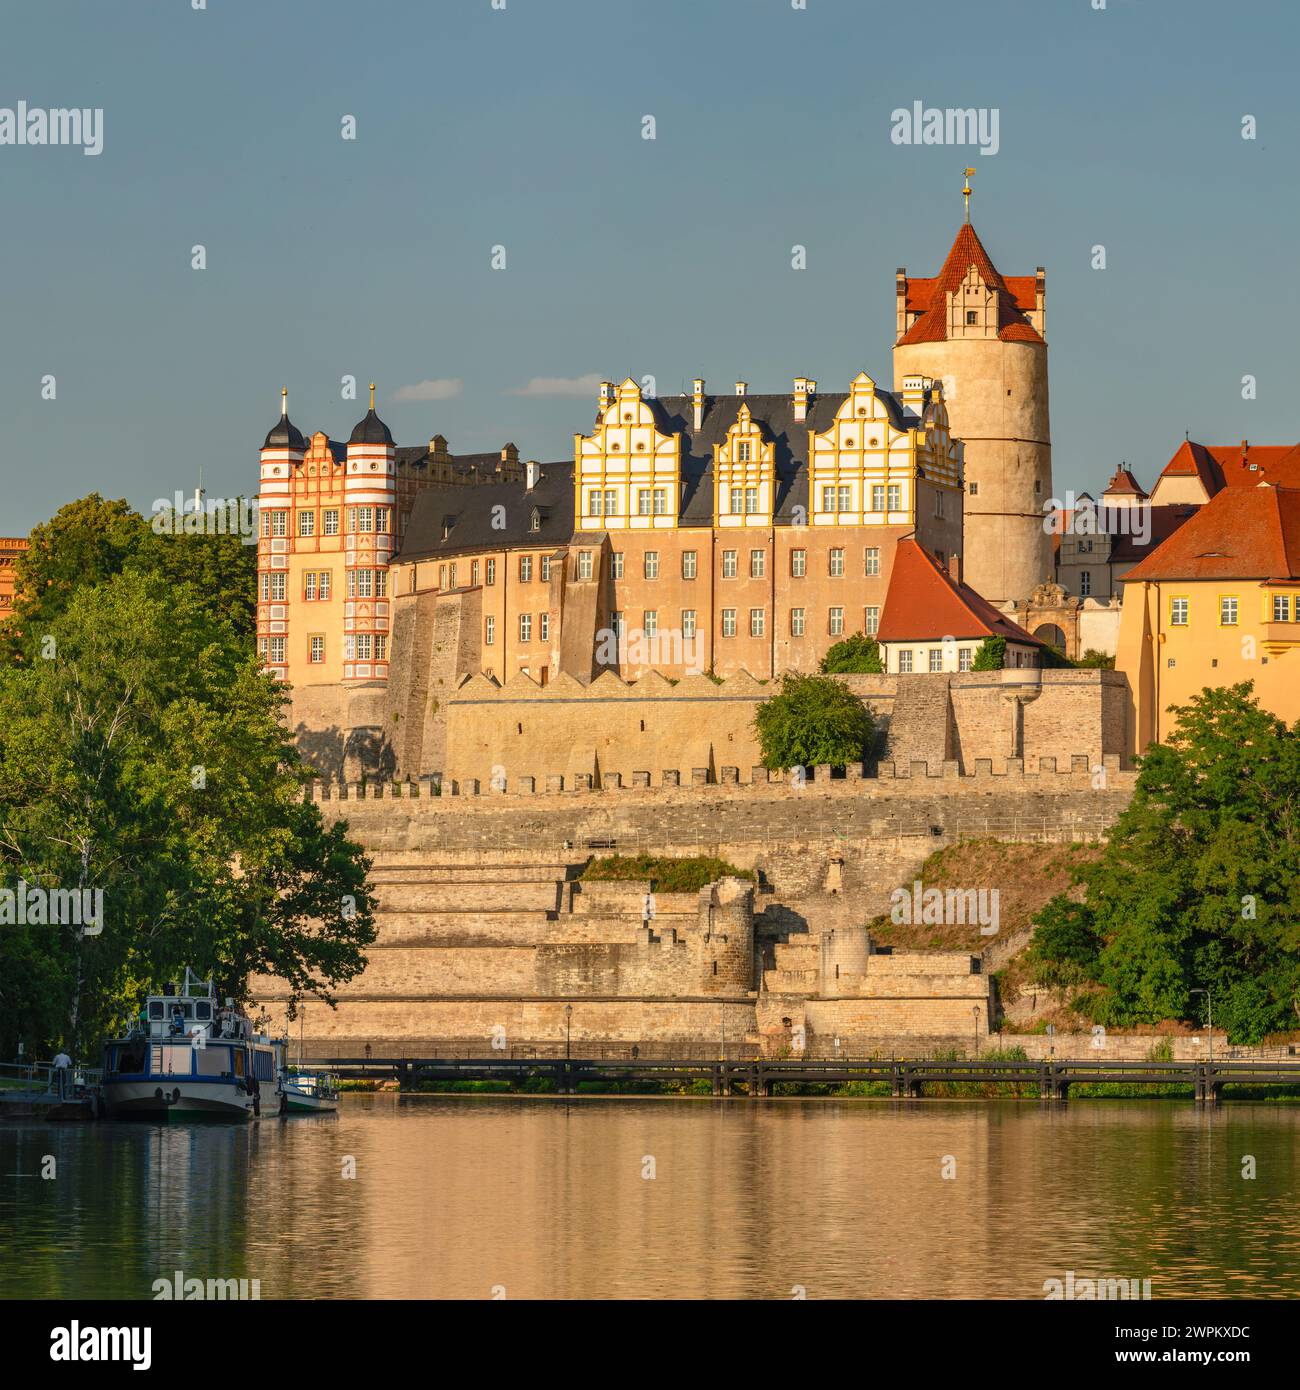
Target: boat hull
{"type": "Point", "coordinates": [179, 1100]}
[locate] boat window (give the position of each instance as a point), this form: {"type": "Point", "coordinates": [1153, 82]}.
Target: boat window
{"type": "Point", "coordinates": [203, 1011]}
{"type": "Point", "coordinates": [212, 1061]}
{"type": "Point", "coordinates": [237, 1054]}
{"type": "Point", "coordinates": [170, 1059]}
{"type": "Point", "coordinates": [155, 1008]}
{"type": "Point", "coordinates": [189, 1009]}
{"type": "Point", "coordinates": [265, 1068]}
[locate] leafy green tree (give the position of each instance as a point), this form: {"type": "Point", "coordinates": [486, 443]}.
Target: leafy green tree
{"type": "Point", "coordinates": [1095, 660]}
{"type": "Point", "coordinates": [142, 753]}
{"type": "Point", "coordinates": [990, 655]}
{"type": "Point", "coordinates": [1199, 885]}
{"type": "Point", "coordinates": [813, 720]}
{"type": "Point", "coordinates": [854, 655]}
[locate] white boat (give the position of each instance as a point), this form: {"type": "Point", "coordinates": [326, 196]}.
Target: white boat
{"type": "Point", "coordinates": [187, 1057]}
{"type": "Point", "coordinates": [309, 1091]}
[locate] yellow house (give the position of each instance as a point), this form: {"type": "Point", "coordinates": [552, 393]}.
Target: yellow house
{"type": "Point", "coordinates": [1216, 604]}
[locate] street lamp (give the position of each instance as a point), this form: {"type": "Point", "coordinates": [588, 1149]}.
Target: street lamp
{"type": "Point", "coordinates": [975, 1011]}
{"type": "Point", "coordinates": [568, 1019]}
{"type": "Point", "coordinates": [1209, 1019]}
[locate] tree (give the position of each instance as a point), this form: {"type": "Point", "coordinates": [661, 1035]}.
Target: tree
{"type": "Point", "coordinates": [854, 655]}
{"type": "Point", "coordinates": [1199, 885]}
{"type": "Point", "coordinates": [142, 754]}
{"type": "Point", "coordinates": [990, 655]}
{"type": "Point", "coordinates": [812, 720]}
{"type": "Point", "coordinates": [1095, 660]}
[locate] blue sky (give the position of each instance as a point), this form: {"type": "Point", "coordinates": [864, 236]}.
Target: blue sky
{"type": "Point", "coordinates": [478, 127]}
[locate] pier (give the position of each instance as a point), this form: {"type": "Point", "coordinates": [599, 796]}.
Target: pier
{"type": "Point", "coordinates": [42, 1091]}
{"type": "Point", "coordinates": [756, 1077]}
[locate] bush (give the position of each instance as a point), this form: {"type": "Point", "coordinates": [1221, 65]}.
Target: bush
{"type": "Point", "coordinates": [856, 655]}
{"type": "Point", "coordinates": [813, 720]}
{"type": "Point", "coordinates": [991, 654]}
{"type": "Point", "coordinates": [666, 875]}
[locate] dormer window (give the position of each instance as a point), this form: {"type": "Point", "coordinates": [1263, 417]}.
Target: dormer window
{"type": "Point", "coordinates": [535, 521]}
{"type": "Point", "coordinates": [448, 522]}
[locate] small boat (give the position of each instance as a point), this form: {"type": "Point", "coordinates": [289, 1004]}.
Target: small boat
{"type": "Point", "coordinates": [314, 1091]}
{"type": "Point", "coordinates": [186, 1057]}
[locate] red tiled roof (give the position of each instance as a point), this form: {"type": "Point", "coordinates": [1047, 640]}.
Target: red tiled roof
{"type": "Point", "coordinates": [1241, 533]}
{"type": "Point", "coordinates": [1228, 465]}
{"type": "Point", "coordinates": [925, 604]}
{"type": "Point", "coordinates": [1162, 521]}
{"type": "Point", "coordinates": [931, 296]}
{"type": "Point", "coordinates": [1124, 482]}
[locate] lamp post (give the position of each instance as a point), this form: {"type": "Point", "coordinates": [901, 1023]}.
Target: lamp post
{"type": "Point", "coordinates": [1209, 1020]}
{"type": "Point", "coordinates": [975, 1013]}
{"type": "Point", "coordinates": [568, 1019]}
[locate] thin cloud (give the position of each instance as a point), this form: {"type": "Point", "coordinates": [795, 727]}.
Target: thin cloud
{"type": "Point", "coordinates": [560, 386]}
{"type": "Point", "coordinates": [439, 389]}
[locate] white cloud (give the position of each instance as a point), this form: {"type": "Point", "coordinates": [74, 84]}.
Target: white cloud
{"type": "Point", "coordinates": [439, 389]}
{"type": "Point", "coordinates": [560, 386]}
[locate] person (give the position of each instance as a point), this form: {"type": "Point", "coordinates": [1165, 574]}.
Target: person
{"type": "Point", "coordinates": [178, 1019]}
{"type": "Point", "coordinates": [62, 1065]}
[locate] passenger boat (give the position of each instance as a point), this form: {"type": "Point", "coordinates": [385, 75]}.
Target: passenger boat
{"type": "Point", "coordinates": [187, 1057]}
{"type": "Point", "coordinates": [309, 1091]}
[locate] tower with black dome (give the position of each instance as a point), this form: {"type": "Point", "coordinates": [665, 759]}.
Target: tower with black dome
{"type": "Point", "coordinates": [369, 518]}
{"type": "Point", "coordinates": [282, 454]}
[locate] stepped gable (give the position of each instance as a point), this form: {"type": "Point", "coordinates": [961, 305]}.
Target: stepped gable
{"type": "Point", "coordinates": [1014, 296]}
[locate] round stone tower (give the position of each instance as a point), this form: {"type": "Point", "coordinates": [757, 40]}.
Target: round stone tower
{"type": "Point", "coordinates": [982, 336]}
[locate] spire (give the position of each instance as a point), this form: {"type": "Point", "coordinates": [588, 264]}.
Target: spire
{"type": "Point", "coordinates": [284, 402]}
{"type": "Point", "coordinates": [372, 395]}
{"type": "Point", "coordinates": [966, 192]}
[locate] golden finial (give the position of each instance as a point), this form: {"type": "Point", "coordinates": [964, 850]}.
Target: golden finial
{"type": "Point", "coordinates": [372, 395]}
{"type": "Point", "coordinates": [966, 192]}
{"type": "Point", "coordinates": [284, 401]}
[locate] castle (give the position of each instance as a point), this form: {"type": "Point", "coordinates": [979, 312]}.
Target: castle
{"type": "Point", "coordinates": [705, 533]}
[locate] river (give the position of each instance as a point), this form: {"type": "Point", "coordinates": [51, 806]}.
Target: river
{"type": "Point", "coordinates": [481, 1197]}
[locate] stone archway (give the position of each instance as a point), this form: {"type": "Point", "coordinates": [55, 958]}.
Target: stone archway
{"type": "Point", "coordinates": [1052, 635]}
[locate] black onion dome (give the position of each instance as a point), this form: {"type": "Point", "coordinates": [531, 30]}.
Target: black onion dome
{"type": "Point", "coordinates": [284, 434]}
{"type": "Point", "coordinates": [371, 430]}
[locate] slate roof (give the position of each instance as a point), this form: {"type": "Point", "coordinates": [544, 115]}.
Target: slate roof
{"type": "Point", "coordinates": [370, 429]}
{"type": "Point", "coordinates": [472, 513]}
{"type": "Point", "coordinates": [926, 604]}
{"type": "Point", "coordinates": [1014, 298]}
{"type": "Point", "coordinates": [1241, 533]}
{"type": "Point", "coordinates": [284, 434]}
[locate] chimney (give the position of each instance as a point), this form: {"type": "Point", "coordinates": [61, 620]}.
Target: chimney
{"type": "Point", "coordinates": [954, 568]}
{"type": "Point", "coordinates": [532, 473]}
{"type": "Point", "coordinates": [800, 398]}
{"type": "Point", "coordinates": [900, 294]}
{"type": "Point", "coordinates": [697, 400]}
{"type": "Point", "coordinates": [1040, 300]}
{"type": "Point", "coordinates": [742, 387]}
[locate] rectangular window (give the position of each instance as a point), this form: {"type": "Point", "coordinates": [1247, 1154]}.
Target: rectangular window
{"type": "Point", "coordinates": [905, 661]}
{"type": "Point", "coordinates": [595, 505]}
{"type": "Point", "coordinates": [650, 623]}
{"type": "Point", "coordinates": [365, 583]}
{"type": "Point", "coordinates": [836, 623]}
{"type": "Point", "coordinates": [544, 627]}
{"type": "Point", "coordinates": [525, 569]}
{"type": "Point", "coordinates": [798, 563]}
{"type": "Point", "coordinates": [317, 650]}
{"type": "Point", "coordinates": [264, 587]}
{"type": "Point", "coordinates": [306, 523]}
{"type": "Point", "coordinates": [1228, 610]}
{"type": "Point", "coordinates": [309, 586]}
{"type": "Point", "coordinates": [326, 584]}
{"type": "Point", "coordinates": [877, 497]}
{"type": "Point", "coordinates": [352, 580]}
{"type": "Point", "coordinates": [330, 518]}
{"type": "Point", "coordinates": [363, 646]}
{"type": "Point", "coordinates": [584, 564]}
{"type": "Point", "coordinates": [611, 502]}
{"type": "Point", "coordinates": [895, 491]}
{"type": "Point", "coordinates": [938, 504]}
{"type": "Point", "coordinates": [616, 564]}
{"type": "Point", "coordinates": [729, 564]}
{"type": "Point", "coordinates": [491, 571]}
{"type": "Point", "coordinates": [751, 500]}
{"type": "Point", "coordinates": [489, 631]}
{"type": "Point", "coordinates": [618, 623]}
{"type": "Point", "coordinates": [525, 627]}
{"type": "Point", "coordinates": [828, 498]}
{"type": "Point", "coordinates": [382, 520]}
{"type": "Point", "coordinates": [757, 564]}
{"type": "Point", "coordinates": [365, 519]}
{"type": "Point", "coordinates": [652, 564]}
{"type": "Point", "coordinates": [261, 647]}
{"type": "Point", "coordinates": [473, 573]}
{"type": "Point", "coordinates": [689, 561]}
{"type": "Point", "coordinates": [277, 651]}
{"type": "Point", "coordinates": [381, 647]}
{"type": "Point", "coordinates": [451, 578]}
{"type": "Point", "coordinates": [643, 501]}
{"type": "Point", "coordinates": [1281, 608]}
{"type": "Point", "coordinates": [688, 624]}
{"type": "Point", "coordinates": [936, 658]}
{"type": "Point", "coordinates": [796, 622]}
{"type": "Point", "coordinates": [742, 451]}
{"type": "Point", "coordinates": [974, 489]}
{"type": "Point", "coordinates": [279, 523]}
{"type": "Point", "coordinates": [837, 563]}
{"type": "Point", "coordinates": [845, 493]}
{"type": "Point", "coordinates": [661, 501]}
{"type": "Point", "coordinates": [728, 622]}
{"type": "Point", "coordinates": [1085, 583]}
{"type": "Point", "coordinates": [871, 620]}
{"type": "Point", "coordinates": [871, 557]}
{"type": "Point", "coordinates": [277, 587]}
{"type": "Point", "coordinates": [381, 582]}
{"type": "Point", "coordinates": [757, 621]}
{"type": "Point", "coordinates": [964, 659]}
{"type": "Point", "coordinates": [545, 569]}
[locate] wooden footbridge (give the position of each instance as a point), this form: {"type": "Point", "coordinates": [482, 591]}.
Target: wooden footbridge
{"type": "Point", "coordinates": [757, 1076]}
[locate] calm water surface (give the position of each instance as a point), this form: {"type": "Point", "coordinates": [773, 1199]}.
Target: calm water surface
{"type": "Point", "coordinates": [554, 1199]}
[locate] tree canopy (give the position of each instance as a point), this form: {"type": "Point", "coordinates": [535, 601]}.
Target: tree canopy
{"type": "Point", "coordinates": [858, 654]}
{"type": "Point", "coordinates": [813, 720]}
{"type": "Point", "coordinates": [1199, 885]}
{"type": "Point", "coordinates": [142, 754]}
